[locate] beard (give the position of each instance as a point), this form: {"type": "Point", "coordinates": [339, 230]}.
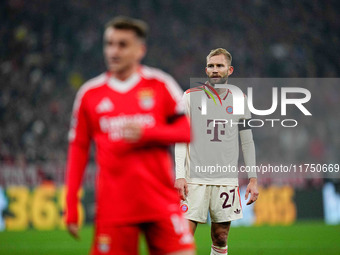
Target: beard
{"type": "Point", "coordinates": [218, 80]}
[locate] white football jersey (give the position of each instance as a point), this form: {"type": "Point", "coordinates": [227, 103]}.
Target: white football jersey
{"type": "Point", "coordinates": [212, 156]}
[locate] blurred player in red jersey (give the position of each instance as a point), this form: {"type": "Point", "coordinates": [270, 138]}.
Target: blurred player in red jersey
{"type": "Point", "coordinates": [132, 113]}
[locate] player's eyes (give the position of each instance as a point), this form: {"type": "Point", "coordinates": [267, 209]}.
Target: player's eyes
{"type": "Point", "coordinates": [218, 66]}
{"type": "Point", "coordinates": [122, 44]}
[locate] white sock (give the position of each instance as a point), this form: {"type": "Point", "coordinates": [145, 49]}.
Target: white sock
{"type": "Point", "coordinates": [217, 250]}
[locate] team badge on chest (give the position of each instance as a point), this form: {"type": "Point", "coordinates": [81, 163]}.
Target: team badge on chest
{"type": "Point", "coordinates": [146, 98]}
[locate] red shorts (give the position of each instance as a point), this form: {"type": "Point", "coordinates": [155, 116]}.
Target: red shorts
{"type": "Point", "coordinates": [163, 236]}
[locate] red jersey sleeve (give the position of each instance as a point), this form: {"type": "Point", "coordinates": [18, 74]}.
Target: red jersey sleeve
{"type": "Point", "coordinates": [176, 132]}
{"type": "Point", "coordinates": [173, 98]}
{"type": "Point", "coordinates": [79, 143]}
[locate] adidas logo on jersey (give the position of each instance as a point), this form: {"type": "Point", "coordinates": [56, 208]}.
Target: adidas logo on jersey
{"type": "Point", "coordinates": [105, 105]}
{"type": "Point", "coordinates": [237, 211]}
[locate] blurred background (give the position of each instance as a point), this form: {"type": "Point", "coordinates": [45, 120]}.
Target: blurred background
{"type": "Point", "coordinates": [49, 48]}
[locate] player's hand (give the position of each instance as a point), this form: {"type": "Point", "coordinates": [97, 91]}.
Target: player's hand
{"type": "Point", "coordinates": [182, 186]}
{"type": "Point", "coordinates": [252, 189]}
{"type": "Point", "coordinates": [132, 132]}
{"type": "Point", "coordinates": [73, 229]}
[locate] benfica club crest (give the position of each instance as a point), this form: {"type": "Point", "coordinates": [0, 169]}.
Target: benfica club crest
{"type": "Point", "coordinates": [146, 98]}
{"type": "Point", "coordinates": [104, 243]}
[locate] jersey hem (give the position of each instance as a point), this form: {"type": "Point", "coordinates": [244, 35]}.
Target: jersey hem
{"type": "Point", "coordinates": [215, 184]}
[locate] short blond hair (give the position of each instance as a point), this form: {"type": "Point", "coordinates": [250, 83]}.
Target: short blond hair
{"type": "Point", "coordinates": [220, 51]}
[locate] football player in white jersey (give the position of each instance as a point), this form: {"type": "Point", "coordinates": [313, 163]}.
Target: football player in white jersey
{"type": "Point", "coordinates": [203, 168]}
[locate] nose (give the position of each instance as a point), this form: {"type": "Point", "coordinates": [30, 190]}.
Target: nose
{"type": "Point", "coordinates": [114, 50]}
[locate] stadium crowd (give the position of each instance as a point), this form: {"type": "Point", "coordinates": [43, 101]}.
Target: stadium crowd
{"type": "Point", "coordinates": [49, 48]}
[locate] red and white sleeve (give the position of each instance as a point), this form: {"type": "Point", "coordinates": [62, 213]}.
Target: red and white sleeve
{"type": "Point", "coordinates": [79, 143]}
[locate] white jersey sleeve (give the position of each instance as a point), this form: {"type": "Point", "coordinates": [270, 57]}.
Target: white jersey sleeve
{"type": "Point", "coordinates": [181, 149]}
{"type": "Point", "coordinates": [247, 113]}
{"type": "Point", "coordinates": [180, 155]}
{"type": "Point", "coordinates": [247, 143]}
{"type": "Point", "coordinates": [248, 149]}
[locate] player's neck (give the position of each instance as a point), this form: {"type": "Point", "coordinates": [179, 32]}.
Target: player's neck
{"type": "Point", "coordinates": [125, 74]}
{"type": "Point", "coordinates": [219, 90]}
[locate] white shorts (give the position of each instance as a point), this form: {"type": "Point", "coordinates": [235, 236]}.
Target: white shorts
{"type": "Point", "coordinates": [223, 203]}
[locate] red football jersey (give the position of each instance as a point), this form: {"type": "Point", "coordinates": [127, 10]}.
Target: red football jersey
{"type": "Point", "coordinates": [135, 180]}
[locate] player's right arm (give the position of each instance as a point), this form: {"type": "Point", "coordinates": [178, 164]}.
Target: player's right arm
{"type": "Point", "coordinates": [180, 182]}
{"type": "Point", "coordinates": [78, 151]}
{"type": "Point", "coordinates": [181, 152]}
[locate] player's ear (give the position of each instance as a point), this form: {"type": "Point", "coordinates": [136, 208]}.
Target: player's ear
{"type": "Point", "coordinates": [230, 70]}
{"type": "Point", "coordinates": [142, 51]}
{"type": "Point", "coordinates": [206, 71]}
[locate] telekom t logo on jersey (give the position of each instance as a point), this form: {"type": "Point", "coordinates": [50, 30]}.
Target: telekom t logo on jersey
{"type": "Point", "coordinates": [238, 100]}
{"type": "Point", "coordinates": [216, 130]}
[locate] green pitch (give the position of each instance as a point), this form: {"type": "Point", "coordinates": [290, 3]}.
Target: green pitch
{"type": "Point", "coordinates": [299, 239]}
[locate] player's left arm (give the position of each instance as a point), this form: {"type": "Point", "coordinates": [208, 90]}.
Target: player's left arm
{"type": "Point", "coordinates": [248, 149]}
{"type": "Point", "coordinates": [178, 131]}
{"type": "Point", "coordinates": [176, 128]}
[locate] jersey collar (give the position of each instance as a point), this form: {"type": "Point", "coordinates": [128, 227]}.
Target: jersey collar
{"type": "Point", "coordinates": [124, 86]}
